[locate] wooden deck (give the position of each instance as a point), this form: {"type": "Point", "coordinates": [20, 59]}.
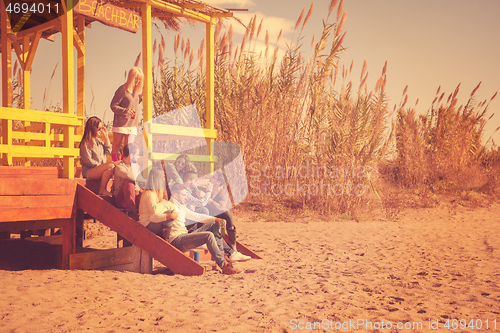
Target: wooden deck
{"type": "Point", "coordinates": [34, 198]}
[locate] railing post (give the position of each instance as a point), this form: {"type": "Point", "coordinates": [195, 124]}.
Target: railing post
{"type": "Point", "coordinates": [210, 89]}
{"type": "Point", "coordinates": [147, 68]}
{"type": "Point", "coordinates": [6, 137]}
{"type": "Point", "coordinates": [68, 86]}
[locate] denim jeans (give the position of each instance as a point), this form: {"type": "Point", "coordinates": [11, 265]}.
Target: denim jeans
{"type": "Point", "coordinates": [204, 235]}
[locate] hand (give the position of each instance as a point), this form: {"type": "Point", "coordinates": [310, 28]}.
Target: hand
{"type": "Point", "coordinates": [172, 216]}
{"type": "Point", "coordinates": [199, 194]}
{"type": "Point", "coordinates": [104, 131]}
{"type": "Point", "coordinates": [220, 221]}
{"type": "Point", "coordinates": [131, 113]}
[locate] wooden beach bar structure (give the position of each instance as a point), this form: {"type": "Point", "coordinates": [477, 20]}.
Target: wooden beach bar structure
{"type": "Point", "coordinates": [44, 197]}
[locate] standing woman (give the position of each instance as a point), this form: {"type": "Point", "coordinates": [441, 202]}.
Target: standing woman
{"type": "Point", "coordinates": [93, 153]}
{"type": "Point", "coordinates": [125, 105]}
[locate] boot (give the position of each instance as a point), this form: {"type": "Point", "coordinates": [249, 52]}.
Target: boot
{"type": "Point", "coordinates": [165, 233]}
{"type": "Point", "coordinates": [229, 269]}
{"type": "Point", "coordinates": [231, 235]}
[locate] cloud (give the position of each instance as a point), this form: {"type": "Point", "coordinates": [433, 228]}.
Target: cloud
{"type": "Point", "coordinates": [272, 24]}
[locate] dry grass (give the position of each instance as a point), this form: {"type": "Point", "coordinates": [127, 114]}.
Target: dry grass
{"type": "Point", "coordinates": [301, 113]}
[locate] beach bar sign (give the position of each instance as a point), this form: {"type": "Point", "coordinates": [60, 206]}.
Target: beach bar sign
{"type": "Point", "coordinates": [109, 14]}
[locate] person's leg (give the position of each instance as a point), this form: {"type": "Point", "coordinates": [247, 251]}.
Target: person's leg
{"type": "Point", "coordinates": [130, 138]}
{"type": "Point", "coordinates": [117, 141]}
{"type": "Point", "coordinates": [103, 172]}
{"type": "Point", "coordinates": [126, 196]}
{"type": "Point", "coordinates": [230, 228]}
{"type": "Point", "coordinates": [187, 242]}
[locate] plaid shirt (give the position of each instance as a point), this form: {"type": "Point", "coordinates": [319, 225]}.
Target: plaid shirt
{"type": "Point", "coordinates": [192, 202]}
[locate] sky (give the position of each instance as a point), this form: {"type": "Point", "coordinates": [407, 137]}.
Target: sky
{"type": "Point", "coordinates": [426, 43]}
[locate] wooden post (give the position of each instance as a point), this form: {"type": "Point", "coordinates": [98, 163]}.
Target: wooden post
{"type": "Point", "coordinates": [210, 89]}
{"type": "Point", "coordinates": [68, 86]}
{"type": "Point", "coordinates": [147, 68]}
{"type": "Point", "coordinates": [81, 72]}
{"type": "Point", "coordinates": [26, 86]}
{"type": "Point", "coordinates": [6, 137]}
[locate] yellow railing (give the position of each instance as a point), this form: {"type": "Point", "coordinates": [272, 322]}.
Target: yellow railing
{"type": "Point", "coordinates": [36, 141]}
{"type": "Point", "coordinates": [161, 132]}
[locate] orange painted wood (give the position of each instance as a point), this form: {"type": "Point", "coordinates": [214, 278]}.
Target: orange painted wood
{"type": "Point", "coordinates": [69, 241]}
{"type": "Point", "coordinates": [34, 172]}
{"type": "Point", "coordinates": [34, 201]}
{"type": "Point", "coordinates": [136, 233]}
{"type": "Point", "coordinates": [243, 249]}
{"type": "Point", "coordinates": [36, 186]}
{"type": "Point", "coordinates": [31, 214]}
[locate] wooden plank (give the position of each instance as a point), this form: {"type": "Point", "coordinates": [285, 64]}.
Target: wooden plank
{"type": "Point", "coordinates": [136, 233]}
{"type": "Point", "coordinates": [36, 186]}
{"type": "Point", "coordinates": [146, 263]}
{"type": "Point", "coordinates": [243, 249]}
{"type": "Point", "coordinates": [27, 172]}
{"type": "Point", "coordinates": [31, 225]}
{"type": "Point", "coordinates": [41, 116]}
{"type": "Point", "coordinates": [34, 151]}
{"type": "Point", "coordinates": [102, 258]}
{"type": "Point", "coordinates": [69, 241]}
{"type": "Point", "coordinates": [29, 214]}
{"type": "Point", "coordinates": [34, 172]}
{"type": "Point", "coordinates": [54, 240]}
{"type": "Point", "coordinates": [34, 201]}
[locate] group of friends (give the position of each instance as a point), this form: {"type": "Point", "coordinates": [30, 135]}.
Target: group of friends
{"type": "Point", "coordinates": [187, 215]}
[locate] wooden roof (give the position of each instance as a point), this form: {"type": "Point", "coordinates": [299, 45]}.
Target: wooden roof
{"type": "Point", "coordinates": [49, 25]}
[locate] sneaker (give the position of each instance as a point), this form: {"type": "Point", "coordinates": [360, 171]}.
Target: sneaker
{"type": "Point", "coordinates": [236, 256]}
{"type": "Point", "coordinates": [229, 269]}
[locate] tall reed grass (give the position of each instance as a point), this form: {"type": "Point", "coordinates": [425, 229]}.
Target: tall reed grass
{"type": "Point", "coordinates": [308, 137]}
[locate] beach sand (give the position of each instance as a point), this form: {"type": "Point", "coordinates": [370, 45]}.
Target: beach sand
{"type": "Point", "coordinates": [429, 266]}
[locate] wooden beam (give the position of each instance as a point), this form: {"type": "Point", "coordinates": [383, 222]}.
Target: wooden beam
{"type": "Point", "coordinates": [178, 10]}
{"type": "Point", "coordinates": [80, 109]}
{"type": "Point", "coordinates": [41, 116]}
{"type": "Point", "coordinates": [210, 93]}
{"type": "Point", "coordinates": [34, 151]}
{"type": "Point", "coordinates": [34, 214]}
{"type": "Point", "coordinates": [147, 68]}
{"type": "Point", "coordinates": [31, 225]}
{"type": "Point", "coordinates": [33, 48]}
{"type": "Point", "coordinates": [194, 5]}
{"type": "Point", "coordinates": [68, 85]}
{"type": "Point", "coordinates": [35, 201]}
{"type": "Point", "coordinates": [36, 186]}
{"type": "Point", "coordinates": [52, 24]}
{"type": "Point", "coordinates": [103, 258]}
{"type": "Point", "coordinates": [229, 14]}
{"type": "Point", "coordinates": [136, 233]}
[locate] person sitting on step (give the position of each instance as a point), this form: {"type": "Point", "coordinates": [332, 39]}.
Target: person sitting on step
{"type": "Point", "coordinates": [93, 153]}
{"type": "Point", "coordinates": [208, 234]}
{"type": "Point", "coordinates": [156, 213]}
{"type": "Point", "coordinates": [126, 190]}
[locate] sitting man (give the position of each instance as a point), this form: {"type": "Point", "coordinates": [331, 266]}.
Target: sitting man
{"type": "Point", "coordinates": [208, 204]}
{"type": "Point", "coordinates": [126, 191]}
{"type": "Point", "coordinates": [193, 201]}
{"type": "Point", "coordinates": [208, 234]}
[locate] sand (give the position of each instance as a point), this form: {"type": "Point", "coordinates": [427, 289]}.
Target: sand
{"type": "Point", "coordinates": [432, 266]}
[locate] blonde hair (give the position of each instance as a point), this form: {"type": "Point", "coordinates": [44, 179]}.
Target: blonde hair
{"type": "Point", "coordinates": [156, 182]}
{"type": "Point", "coordinates": [133, 73]}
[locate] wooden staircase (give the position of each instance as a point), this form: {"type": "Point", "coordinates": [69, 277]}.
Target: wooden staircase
{"type": "Point", "coordinates": [35, 198]}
